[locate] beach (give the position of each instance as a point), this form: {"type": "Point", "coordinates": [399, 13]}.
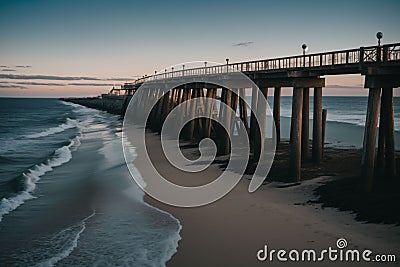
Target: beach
{"type": "Point", "coordinates": [76, 203]}
{"type": "Point", "coordinates": [281, 214]}
{"type": "Point", "coordinates": [199, 133]}
{"type": "Point", "coordinates": [230, 231]}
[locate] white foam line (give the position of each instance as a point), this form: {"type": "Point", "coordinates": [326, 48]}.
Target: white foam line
{"type": "Point", "coordinates": [32, 176]}
{"type": "Point", "coordinates": [73, 244]}
{"type": "Point", "coordinates": [60, 128]}
{"type": "Point", "coordinates": [130, 156]}
{"type": "Point", "coordinates": [173, 246]}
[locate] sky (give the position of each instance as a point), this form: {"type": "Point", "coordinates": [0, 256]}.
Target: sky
{"type": "Point", "coordinates": [54, 48]}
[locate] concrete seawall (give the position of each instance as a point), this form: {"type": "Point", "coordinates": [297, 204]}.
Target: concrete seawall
{"type": "Point", "coordinates": [114, 104]}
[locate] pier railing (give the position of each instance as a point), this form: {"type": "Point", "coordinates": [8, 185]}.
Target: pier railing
{"type": "Point", "coordinates": [339, 59]}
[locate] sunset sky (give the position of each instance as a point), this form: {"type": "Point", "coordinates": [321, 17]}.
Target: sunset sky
{"type": "Point", "coordinates": [53, 48]}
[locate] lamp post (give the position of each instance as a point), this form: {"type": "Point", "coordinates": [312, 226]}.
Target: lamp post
{"type": "Point", "coordinates": [183, 70]}
{"type": "Point", "coordinates": [172, 72]}
{"type": "Point", "coordinates": [304, 46]}
{"type": "Point", "coordinates": [227, 63]}
{"type": "Point", "coordinates": [379, 35]}
{"type": "Point", "coordinates": [205, 67]}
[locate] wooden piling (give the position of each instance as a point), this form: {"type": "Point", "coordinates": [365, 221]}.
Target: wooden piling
{"type": "Point", "coordinates": [243, 108]}
{"type": "Point", "coordinates": [172, 99]}
{"type": "Point", "coordinates": [253, 120]}
{"type": "Point", "coordinates": [224, 144]}
{"type": "Point", "coordinates": [368, 155]}
{"type": "Point", "coordinates": [324, 116]}
{"type": "Point", "coordinates": [138, 105]}
{"type": "Point", "coordinates": [179, 99]}
{"type": "Point", "coordinates": [200, 110]}
{"type": "Point", "coordinates": [208, 112]}
{"type": "Point", "coordinates": [390, 168]}
{"type": "Point", "coordinates": [317, 145]}
{"type": "Point", "coordinates": [153, 113]}
{"type": "Point", "coordinates": [380, 157]}
{"type": "Point", "coordinates": [188, 97]}
{"type": "Point", "coordinates": [183, 112]}
{"type": "Point", "coordinates": [178, 96]}
{"type": "Point", "coordinates": [159, 112]}
{"type": "Point", "coordinates": [305, 135]}
{"type": "Point", "coordinates": [277, 114]}
{"type": "Point", "coordinates": [296, 131]}
{"type": "Point", "coordinates": [192, 114]}
{"type": "Point", "coordinates": [147, 105]}
{"type": "Point", "coordinates": [234, 105]}
{"type": "Point", "coordinates": [259, 139]}
{"type": "Point", "coordinates": [143, 100]}
{"type": "Point", "coordinates": [166, 106]}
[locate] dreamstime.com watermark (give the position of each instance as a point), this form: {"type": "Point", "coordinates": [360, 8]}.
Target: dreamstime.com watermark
{"type": "Point", "coordinates": [336, 254]}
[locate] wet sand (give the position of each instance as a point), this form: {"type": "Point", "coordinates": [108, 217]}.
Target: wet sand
{"type": "Point", "coordinates": [230, 231]}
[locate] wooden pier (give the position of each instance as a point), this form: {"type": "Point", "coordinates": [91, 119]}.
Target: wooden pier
{"type": "Point", "coordinates": [380, 65]}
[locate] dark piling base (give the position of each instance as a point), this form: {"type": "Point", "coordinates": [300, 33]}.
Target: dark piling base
{"type": "Point", "coordinates": [378, 206]}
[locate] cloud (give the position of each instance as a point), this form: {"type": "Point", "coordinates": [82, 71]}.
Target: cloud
{"type": "Point", "coordinates": [91, 84]}
{"type": "Point", "coordinates": [60, 78]}
{"type": "Point", "coordinates": [7, 84]}
{"type": "Point", "coordinates": [18, 66]}
{"type": "Point", "coordinates": [34, 83]}
{"type": "Point", "coordinates": [41, 83]}
{"type": "Point", "coordinates": [47, 77]}
{"type": "Point", "coordinates": [13, 86]}
{"type": "Point", "coordinates": [244, 44]}
{"type": "Point", "coordinates": [8, 70]}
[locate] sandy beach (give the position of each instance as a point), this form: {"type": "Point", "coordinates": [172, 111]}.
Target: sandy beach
{"type": "Point", "coordinates": [230, 231]}
{"type": "Point", "coordinates": [199, 133]}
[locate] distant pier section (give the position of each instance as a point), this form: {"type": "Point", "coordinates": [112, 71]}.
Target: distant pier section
{"type": "Point", "coordinates": [112, 102]}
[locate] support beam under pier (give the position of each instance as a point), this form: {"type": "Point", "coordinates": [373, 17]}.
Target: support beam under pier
{"type": "Point", "coordinates": [305, 135]}
{"type": "Point", "coordinates": [259, 140]}
{"type": "Point", "coordinates": [225, 142]}
{"type": "Point", "coordinates": [317, 140]}
{"type": "Point", "coordinates": [390, 168]}
{"type": "Point", "coordinates": [277, 113]}
{"type": "Point", "coordinates": [243, 108]}
{"type": "Point", "coordinates": [296, 131]}
{"type": "Point", "coordinates": [371, 123]}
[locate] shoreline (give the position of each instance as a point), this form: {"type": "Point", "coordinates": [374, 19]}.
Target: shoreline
{"type": "Point", "coordinates": [240, 223]}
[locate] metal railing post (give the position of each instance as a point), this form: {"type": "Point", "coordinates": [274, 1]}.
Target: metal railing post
{"type": "Point", "coordinates": [361, 55]}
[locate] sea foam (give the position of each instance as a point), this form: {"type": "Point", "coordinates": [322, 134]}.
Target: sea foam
{"type": "Point", "coordinates": [70, 123]}
{"type": "Point", "coordinates": [60, 156]}
{"type": "Point", "coordinates": [67, 246]}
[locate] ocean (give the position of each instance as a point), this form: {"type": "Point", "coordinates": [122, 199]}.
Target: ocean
{"type": "Point", "coordinates": [345, 119]}
{"type": "Point", "coordinates": [67, 197]}
{"type": "Point", "coordinates": [343, 109]}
